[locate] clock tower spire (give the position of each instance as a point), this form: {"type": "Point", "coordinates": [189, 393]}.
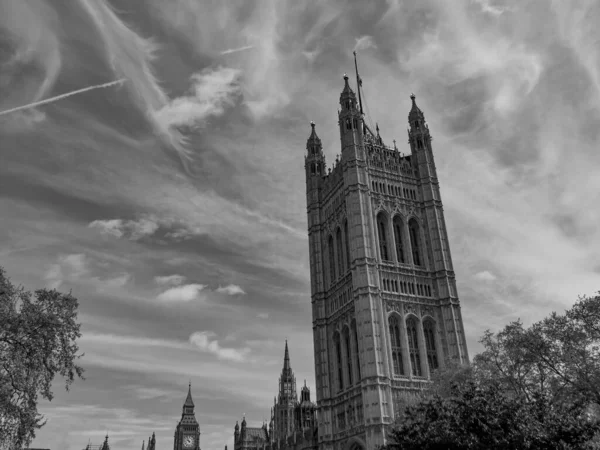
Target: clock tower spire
{"type": "Point", "coordinates": [187, 432]}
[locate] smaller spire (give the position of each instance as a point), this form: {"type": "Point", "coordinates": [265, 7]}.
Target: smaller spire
{"type": "Point", "coordinates": [415, 112]}
{"type": "Point", "coordinates": [188, 400]}
{"type": "Point", "coordinates": [143, 442]}
{"type": "Point", "coordinates": [347, 88]}
{"type": "Point", "coordinates": [286, 358]}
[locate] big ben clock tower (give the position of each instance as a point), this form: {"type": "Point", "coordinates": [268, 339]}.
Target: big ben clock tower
{"type": "Point", "coordinates": [187, 433]}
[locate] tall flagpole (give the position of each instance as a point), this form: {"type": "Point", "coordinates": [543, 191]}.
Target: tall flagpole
{"type": "Point", "coordinates": [358, 84]}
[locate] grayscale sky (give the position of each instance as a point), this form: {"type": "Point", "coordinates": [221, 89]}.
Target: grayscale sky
{"type": "Point", "coordinates": [174, 206]}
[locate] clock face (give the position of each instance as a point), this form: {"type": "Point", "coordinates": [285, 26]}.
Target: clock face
{"type": "Point", "coordinates": [188, 441]}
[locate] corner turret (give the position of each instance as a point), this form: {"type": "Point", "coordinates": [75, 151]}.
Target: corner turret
{"type": "Point", "coordinates": [349, 118]}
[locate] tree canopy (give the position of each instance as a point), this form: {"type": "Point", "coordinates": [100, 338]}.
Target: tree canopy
{"type": "Point", "coordinates": [531, 388]}
{"type": "Point", "coordinates": [38, 336]}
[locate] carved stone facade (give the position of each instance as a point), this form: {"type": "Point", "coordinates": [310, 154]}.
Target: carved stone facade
{"type": "Point", "coordinates": [384, 300]}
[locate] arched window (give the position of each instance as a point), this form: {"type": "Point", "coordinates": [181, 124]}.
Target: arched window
{"type": "Point", "coordinates": [331, 260]}
{"type": "Point", "coordinates": [348, 354]}
{"type": "Point", "coordinates": [413, 347]}
{"type": "Point", "coordinates": [396, 345]}
{"type": "Point", "coordinates": [383, 247]}
{"type": "Point", "coordinates": [413, 227]}
{"type": "Point", "coordinates": [429, 332]}
{"type": "Point", "coordinates": [338, 354]}
{"type": "Point", "coordinates": [348, 124]}
{"type": "Point", "coordinates": [356, 350]}
{"type": "Point", "coordinates": [348, 259]}
{"type": "Point", "coordinates": [340, 251]}
{"type": "Point", "coordinates": [398, 228]}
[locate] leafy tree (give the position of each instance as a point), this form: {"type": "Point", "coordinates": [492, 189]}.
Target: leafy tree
{"type": "Point", "coordinates": [530, 388]}
{"type": "Point", "coordinates": [37, 341]}
{"type": "Point", "coordinates": [485, 417]}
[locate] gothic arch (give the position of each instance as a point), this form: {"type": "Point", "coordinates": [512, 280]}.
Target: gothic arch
{"type": "Point", "coordinates": [398, 230]}
{"type": "Point", "coordinates": [347, 348]}
{"type": "Point", "coordinates": [395, 333]}
{"type": "Point", "coordinates": [383, 235]}
{"type": "Point", "coordinates": [356, 352]}
{"type": "Point", "coordinates": [414, 351]}
{"type": "Point", "coordinates": [337, 344]}
{"type": "Point", "coordinates": [340, 251]}
{"type": "Point", "coordinates": [416, 241]}
{"type": "Point", "coordinates": [347, 242]}
{"type": "Point", "coordinates": [431, 344]}
{"type": "Point", "coordinates": [331, 257]}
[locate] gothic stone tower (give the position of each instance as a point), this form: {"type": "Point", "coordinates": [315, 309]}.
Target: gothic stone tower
{"type": "Point", "coordinates": [187, 433]}
{"type": "Point", "coordinates": [283, 410]}
{"type": "Point", "coordinates": [384, 300]}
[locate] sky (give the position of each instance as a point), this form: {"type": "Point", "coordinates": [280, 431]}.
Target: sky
{"type": "Point", "coordinates": [173, 204]}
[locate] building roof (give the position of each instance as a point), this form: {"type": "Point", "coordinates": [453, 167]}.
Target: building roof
{"type": "Point", "coordinates": [256, 434]}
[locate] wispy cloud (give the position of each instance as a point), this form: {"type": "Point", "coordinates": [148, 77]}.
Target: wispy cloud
{"type": "Point", "coordinates": [231, 289]}
{"type": "Point", "coordinates": [364, 42]}
{"type": "Point", "coordinates": [205, 341]}
{"type": "Point", "coordinates": [485, 276]}
{"type": "Point", "coordinates": [185, 293]}
{"type": "Point", "coordinates": [67, 266]}
{"type": "Point", "coordinates": [169, 279]}
{"type": "Point", "coordinates": [236, 50]}
{"type": "Point", "coordinates": [212, 91]}
{"type": "Point", "coordinates": [60, 97]}
{"type": "Point", "coordinates": [132, 229]}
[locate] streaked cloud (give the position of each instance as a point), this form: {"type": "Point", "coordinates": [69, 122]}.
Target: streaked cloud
{"type": "Point", "coordinates": [364, 42]}
{"type": "Point", "coordinates": [205, 341]}
{"type": "Point", "coordinates": [212, 91]}
{"type": "Point", "coordinates": [131, 229]}
{"type": "Point", "coordinates": [230, 289]}
{"type": "Point", "coordinates": [169, 279]}
{"type": "Point", "coordinates": [236, 50]}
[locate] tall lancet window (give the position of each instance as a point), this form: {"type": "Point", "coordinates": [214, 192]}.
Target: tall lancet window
{"type": "Point", "coordinates": [356, 350]}
{"type": "Point", "coordinates": [348, 355]}
{"type": "Point", "coordinates": [331, 260]}
{"type": "Point", "coordinates": [398, 228]}
{"type": "Point", "coordinates": [429, 332]}
{"type": "Point", "coordinates": [347, 236]}
{"type": "Point", "coordinates": [340, 251]}
{"type": "Point", "coordinates": [413, 346]}
{"type": "Point", "coordinates": [396, 345]}
{"type": "Point", "coordinates": [413, 227]}
{"type": "Point", "coordinates": [338, 354]}
{"type": "Point", "coordinates": [383, 246]}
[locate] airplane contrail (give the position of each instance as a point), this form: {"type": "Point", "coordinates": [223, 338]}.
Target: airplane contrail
{"type": "Point", "coordinates": [60, 97]}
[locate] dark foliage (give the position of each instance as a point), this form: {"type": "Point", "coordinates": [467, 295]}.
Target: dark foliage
{"type": "Point", "coordinates": [37, 342]}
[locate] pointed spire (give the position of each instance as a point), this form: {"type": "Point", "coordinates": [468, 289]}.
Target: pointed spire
{"type": "Point", "coordinates": [105, 446]}
{"type": "Point", "coordinates": [286, 358]}
{"type": "Point", "coordinates": [143, 442]}
{"type": "Point", "coordinates": [415, 112]}
{"type": "Point", "coordinates": [347, 89]}
{"type": "Point", "coordinates": [188, 401]}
